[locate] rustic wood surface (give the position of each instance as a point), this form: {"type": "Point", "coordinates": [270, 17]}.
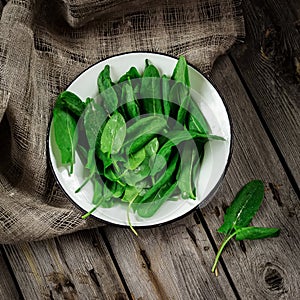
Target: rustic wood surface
{"type": "Point", "coordinates": [260, 83]}
{"type": "Point", "coordinates": [76, 266]}
{"type": "Point", "coordinates": [254, 157]}
{"type": "Point", "coordinates": [8, 289]}
{"type": "Point", "coordinates": [160, 258]}
{"type": "Point", "coordinates": [269, 65]}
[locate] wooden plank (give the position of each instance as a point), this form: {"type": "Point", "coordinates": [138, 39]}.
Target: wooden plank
{"type": "Point", "coordinates": [8, 289]}
{"type": "Point", "coordinates": [75, 266]}
{"type": "Point", "coordinates": [260, 269]}
{"type": "Point", "coordinates": [269, 63]}
{"type": "Point", "coordinates": [168, 262]}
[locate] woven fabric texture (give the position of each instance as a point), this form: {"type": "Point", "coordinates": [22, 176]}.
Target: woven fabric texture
{"type": "Point", "coordinates": [44, 45]}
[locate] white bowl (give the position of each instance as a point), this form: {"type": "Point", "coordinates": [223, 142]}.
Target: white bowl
{"type": "Point", "coordinates": [216, 157]}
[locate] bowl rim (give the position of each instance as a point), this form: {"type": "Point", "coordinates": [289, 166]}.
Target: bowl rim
{"type": "Point", "coordinates": [203, 203]}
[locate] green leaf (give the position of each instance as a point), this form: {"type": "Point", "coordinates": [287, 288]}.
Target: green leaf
{"type": "Point", "coordinates": [151, 90]}
{"type": "Point", "coordinates": [103, 196]}
{"type": "Point", "coordinates": [254, 233]}
{"type": "Point", "coordinates": [165, 86]}
{"type": "Point", "coordinates": [151, 71]}
{"type": "Point", "coordinates": [148, 209]}
{"type": "Point", "coordinates": [189, 157]}
{"type": "Point", "coordinates": [146, 125]}
{"type": "Point", "coordinates": [93, 120]}
{"type": "Point", "coordinates": [66, 134]}
{"type": "Point", "coordinates": [71, 102]}
{"type": "Point", "coordinates": [98, 190]}
{"type": "Point", "coordinates": [108, 93]}
{"type": "Point", "coordinates": [243, 233]}
{"type": "Point", "coordinates": [179, 93]}
{"type": "Point", "coordinates": [196, 120]}
{"type": "Point", "coordinates": [110, 174]}
{"type": "Point", "coordinates": [104, 81]}
{"type": "Point", "coordinates": [118, 190]}
{"type": "Point", "coordinates": [143, 131]}
{"type": "Point", "coordinates": [133, 177]}
{"type": "Point", "coordinates": [152, 147]}
{"type": "Point", "coordinates": [132, 73]}
{"type": "Point", "coordinates": [93, 170]}
{"type": "Point", "coordinates": [244, 206]}
{"type": "Point", "coordinates": [165, 178]}
{"type": "Point", "coordinates": [129, 98]}
{"type": "Point", "coordinates": [133, 76]}
{"type": "Point", "coordinates": [136, 159]}
{"type": "Point", "coordinates": [113, 134]}
{"type": "Point", "coordinates": [130, 193]}
{"type": "Point", "coordinates": [141, 142]}
{"type": "Point", "coordinates": [181, 72]}
{"type": "Point", "coordinates": [83, 154]}
{"type": "Point", "coordinates": [176, 137]}
{"type": "Point", "coordinates": [90, 159]}
{"type": "Point", "coordinates": [182, 111]}
{"type": "Point", "coordinates": [104, 157]}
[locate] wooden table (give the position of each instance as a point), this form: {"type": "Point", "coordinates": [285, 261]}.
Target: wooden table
{"type": "Point", "coordinates": [260, 83]}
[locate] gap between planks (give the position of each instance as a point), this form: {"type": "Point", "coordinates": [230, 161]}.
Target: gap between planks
{"type": "Point", "coordinates": [264, 123]}
{"type": "Point", "coordinates": [269, 67]}
{"type": "Point", "coordinates": [9, 287]}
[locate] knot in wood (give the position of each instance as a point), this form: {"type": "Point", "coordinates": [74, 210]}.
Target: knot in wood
{"type": "Point", "coordinates": [273, 278]}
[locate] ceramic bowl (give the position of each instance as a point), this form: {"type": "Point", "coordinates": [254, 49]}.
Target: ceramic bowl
{"type": "Point", "coordinates": [216, 157]}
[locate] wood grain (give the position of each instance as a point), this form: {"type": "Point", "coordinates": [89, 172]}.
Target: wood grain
{"type": "Point", "coordinates": [8, 289]}
{"type": "Point", "coordinates": [269, 63]}
{"type": "Point", "coordinates": [168, 262]}
{"type": "Point", "coordinates": [75, 266]}
{"type": "Point", "coordinates": [261, 269]}
{"type": "Point", "coordinates": [174, 261]}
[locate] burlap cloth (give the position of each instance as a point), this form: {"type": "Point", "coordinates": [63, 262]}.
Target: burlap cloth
{"type": "Point", "coordinates": [43, 46]}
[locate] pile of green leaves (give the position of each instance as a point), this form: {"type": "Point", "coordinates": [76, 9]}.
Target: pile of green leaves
{"type": "Point", "coordinates": [142, 139]}
{"type": "Point", "coordinates": [239, 215]}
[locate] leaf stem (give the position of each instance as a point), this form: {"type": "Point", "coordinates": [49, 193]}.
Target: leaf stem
{"type": "Point", "coordinates": [121, 183]}
{"type": "Point", "coordinates": [71, 169]}
{"type": "Point", "coordinates": [225, 241]}
{"type": "Point", "coordinates": [85, 181]}
{"type": "Point", "coordinates": [92, 210]}
{"type": "Point", "coordinates": [128, 217]}
{"type": "Point", "coordinates": [116, 166]}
